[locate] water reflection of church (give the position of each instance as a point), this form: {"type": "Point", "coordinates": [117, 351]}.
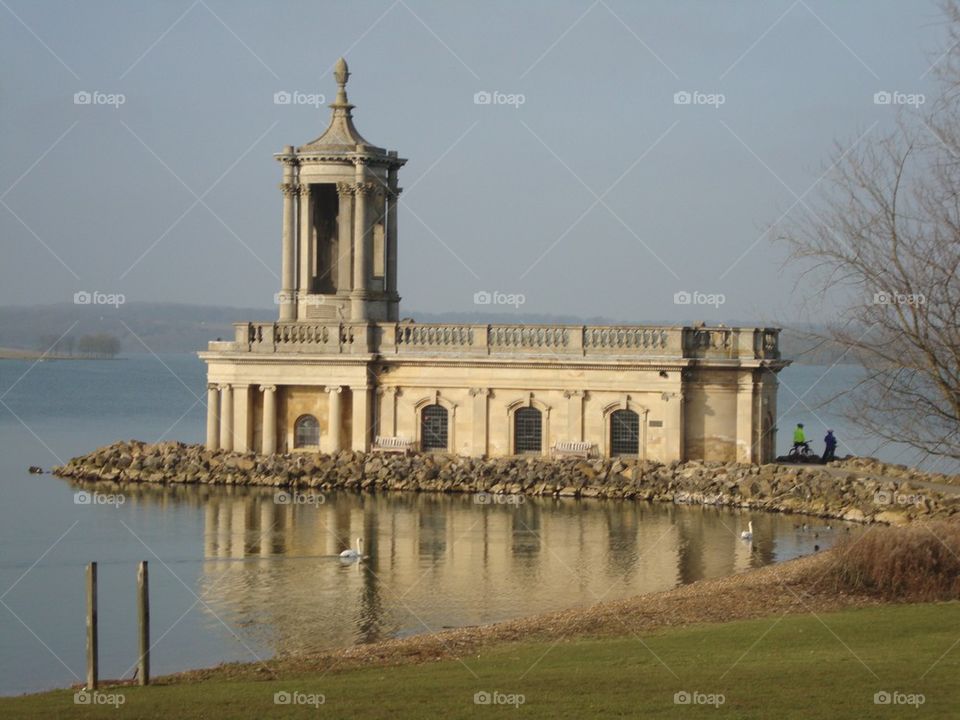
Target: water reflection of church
{"type": "Point", "coordinates": [449, 560]}
{"type": "Point", "coordinates": [339, 367]}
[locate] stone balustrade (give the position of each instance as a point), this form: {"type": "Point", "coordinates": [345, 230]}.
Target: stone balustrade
{"type": "Point", "coordinates": [412, 338]}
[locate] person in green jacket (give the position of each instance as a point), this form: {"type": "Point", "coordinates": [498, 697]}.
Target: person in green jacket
{"type": "Point", "coordinates": [799, 437]}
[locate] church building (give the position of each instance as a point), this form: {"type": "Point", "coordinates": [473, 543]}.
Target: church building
{"type": "Point", "coordinates": [340, 370]}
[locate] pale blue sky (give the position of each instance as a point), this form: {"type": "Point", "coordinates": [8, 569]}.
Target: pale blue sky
{"type": "Point", "coordinates": [498, 197]}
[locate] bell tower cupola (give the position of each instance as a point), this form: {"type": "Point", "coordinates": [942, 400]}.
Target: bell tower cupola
{"type": "Point", "coordinates": [339, 235]}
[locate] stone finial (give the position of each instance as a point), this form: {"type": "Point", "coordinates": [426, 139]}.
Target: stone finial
{"type": "Point", "coordinates": [341, 74]}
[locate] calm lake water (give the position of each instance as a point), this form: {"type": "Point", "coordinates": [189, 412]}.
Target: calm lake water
{"type": "Point", "coordinates": [235, 576]}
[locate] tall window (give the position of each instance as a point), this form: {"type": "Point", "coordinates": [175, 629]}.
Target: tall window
{"type": "Point", "coordinates": [624, 433]}
{"type": "Point", "coordinates": [528, 431]}
{"type": "Point", "coordinates": [433, 428]}
{"type": "Point", "coordinates": [306, 432]}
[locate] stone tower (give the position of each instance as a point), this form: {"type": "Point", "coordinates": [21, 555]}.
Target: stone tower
{"type": "Point", "coordinates": [339, 237]}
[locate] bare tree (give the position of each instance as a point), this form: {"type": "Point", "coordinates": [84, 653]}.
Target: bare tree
{"type": "Point", "coordinates": [881, 248]}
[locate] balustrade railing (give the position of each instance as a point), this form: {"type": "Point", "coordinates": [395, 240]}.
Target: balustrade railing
{"type": "Point", "coordinates": [390, 338]}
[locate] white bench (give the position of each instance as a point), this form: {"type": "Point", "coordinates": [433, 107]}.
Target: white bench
{"type": "Point", "coordinates": [580, 449]}
{"type": "Point", "coordinates": [393, 445]}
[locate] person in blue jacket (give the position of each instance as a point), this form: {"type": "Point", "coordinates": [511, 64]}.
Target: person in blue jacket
{"type": "Point", "coordinates": [830, 441]}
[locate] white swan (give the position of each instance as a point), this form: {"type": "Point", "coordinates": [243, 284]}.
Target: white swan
{"type": "Point", "coordinates": [353, 553]}
{"type": "Point", "coordinates": [748, 533]}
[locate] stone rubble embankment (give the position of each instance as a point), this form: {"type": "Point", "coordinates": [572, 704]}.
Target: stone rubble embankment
{"type": "Point", "coordinates": [851, 495]}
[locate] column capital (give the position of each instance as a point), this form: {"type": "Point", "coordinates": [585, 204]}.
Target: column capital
{"type": "Point", "coordinates": [364, 188]}
{"type": "Point", "coordinates": [574, 393]}
{"type": "Point", "coordinates": [345, 189]}
{"type": "Point", "coordinates": [225, 386]}
{"type": "Point", "coordinates": [334, 389]}
{"type": "Point", "coordinates": [268, 388]}
{"type": "Point", "coordinates": [388, 390]}
{"type": "Point", "coordinates": [484, 392]}
{"type": "Point", "coordinates": [394, 193]}
{"type": "Point", "coordinates": [304, 189]}
{"type": "Point", "coordinates": [289, 189]}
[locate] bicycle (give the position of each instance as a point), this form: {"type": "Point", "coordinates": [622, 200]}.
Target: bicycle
{"type": "Point", "coordinates": [802, 453]}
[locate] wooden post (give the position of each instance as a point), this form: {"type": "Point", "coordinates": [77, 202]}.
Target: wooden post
{"type": "Point", "coordinates": [143, 619]}
{"type": "Point", "coordinates": [92, 669]}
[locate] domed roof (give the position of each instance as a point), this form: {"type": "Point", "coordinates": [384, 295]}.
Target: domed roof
{"type": "Point", "coordinates": [340, 136]}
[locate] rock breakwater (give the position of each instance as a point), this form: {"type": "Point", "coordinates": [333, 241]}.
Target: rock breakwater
{"type": "Point", "coordinates": [831, 492]}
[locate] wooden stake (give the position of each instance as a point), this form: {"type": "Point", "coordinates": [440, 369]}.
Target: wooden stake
{"type": "Point", "coordinates": [92, 664]}
{"type": "Point", "coordinates": [143, 618]}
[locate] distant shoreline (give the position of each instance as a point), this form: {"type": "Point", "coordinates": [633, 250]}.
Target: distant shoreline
{"type": "Point", "coordinates": [19, 354]}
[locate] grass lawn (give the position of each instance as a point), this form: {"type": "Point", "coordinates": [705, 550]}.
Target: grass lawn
{"type": "Point", "coordinates": [794, 667]}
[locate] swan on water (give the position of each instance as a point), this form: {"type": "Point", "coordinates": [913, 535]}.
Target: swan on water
{"type": "Point", "coordinates": [748, 533]}
{"type": "Point", "coordinates": [353, 553]}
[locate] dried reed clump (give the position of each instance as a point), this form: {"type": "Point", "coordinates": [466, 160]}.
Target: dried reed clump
{"type": "Point", "coordinates": [919, 562]}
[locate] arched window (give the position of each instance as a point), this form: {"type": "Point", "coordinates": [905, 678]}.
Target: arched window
{"type": "Point", "coordinates": [433, 428]}
{"type": "Point", "coordinates": [528, 430]}
{"type": "Point", "coordinates": [306, 432]}
{"type": "Point", "coordinates": [624, 432]}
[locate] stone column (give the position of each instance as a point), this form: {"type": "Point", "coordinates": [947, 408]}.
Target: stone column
{"type": "Point", "coordinates": [213, 417]}
{"type": "Point", "coordinates": [746, 451]}
{"type": "Point", "coordinates": [393, 193]}
{"type": "Point", "coordinates": [361, 253]}
{"type": "Point", "coordinates": [361, 418]}
{"type": "Point", "coordinates": [226, 417]}
{"type": "Point", "coordinates": [242, 420]}
{"type": "Point", "coordinates": [307, 248]}
{"type": "Point", "coordinates": [345, 237]}
{"type": "Point", "coordinates": [334, 419]}
{"type": "Point", "coordinates": [574, 415]}
{"type": "Point", "coordinates": [268, 445]}
{"type": "Point", "coordinates": [481, 421]}
{"type": "Point", "coordinates": [288, 259]}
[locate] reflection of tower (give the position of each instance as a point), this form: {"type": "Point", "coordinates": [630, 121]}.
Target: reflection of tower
{"type": "Point", "coordinates": [341, 527]}
{"type": "Point", "coordinates": [711, 543]}
{"type": "Point", "coordinates": [370, 623]}
{"type": "Point", "coordinates": [622, 526]}
{"type": "Point", "coordinates": [525, 531]}
{"type": "Point", "coordinates": [764, 540]}
{"type": "Point", "coordinates": [691, 562]}
{"type": "Point", "coordinates": [240, 525]}
{"type": "Point", "coordinates": [432, 528]}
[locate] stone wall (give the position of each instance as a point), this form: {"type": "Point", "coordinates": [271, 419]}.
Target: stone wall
{"type": "Point", "coordinates": [777, 488]}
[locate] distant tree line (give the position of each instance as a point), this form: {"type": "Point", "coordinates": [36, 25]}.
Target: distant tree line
{"type": "Point", "coordinates": [101, 345]}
